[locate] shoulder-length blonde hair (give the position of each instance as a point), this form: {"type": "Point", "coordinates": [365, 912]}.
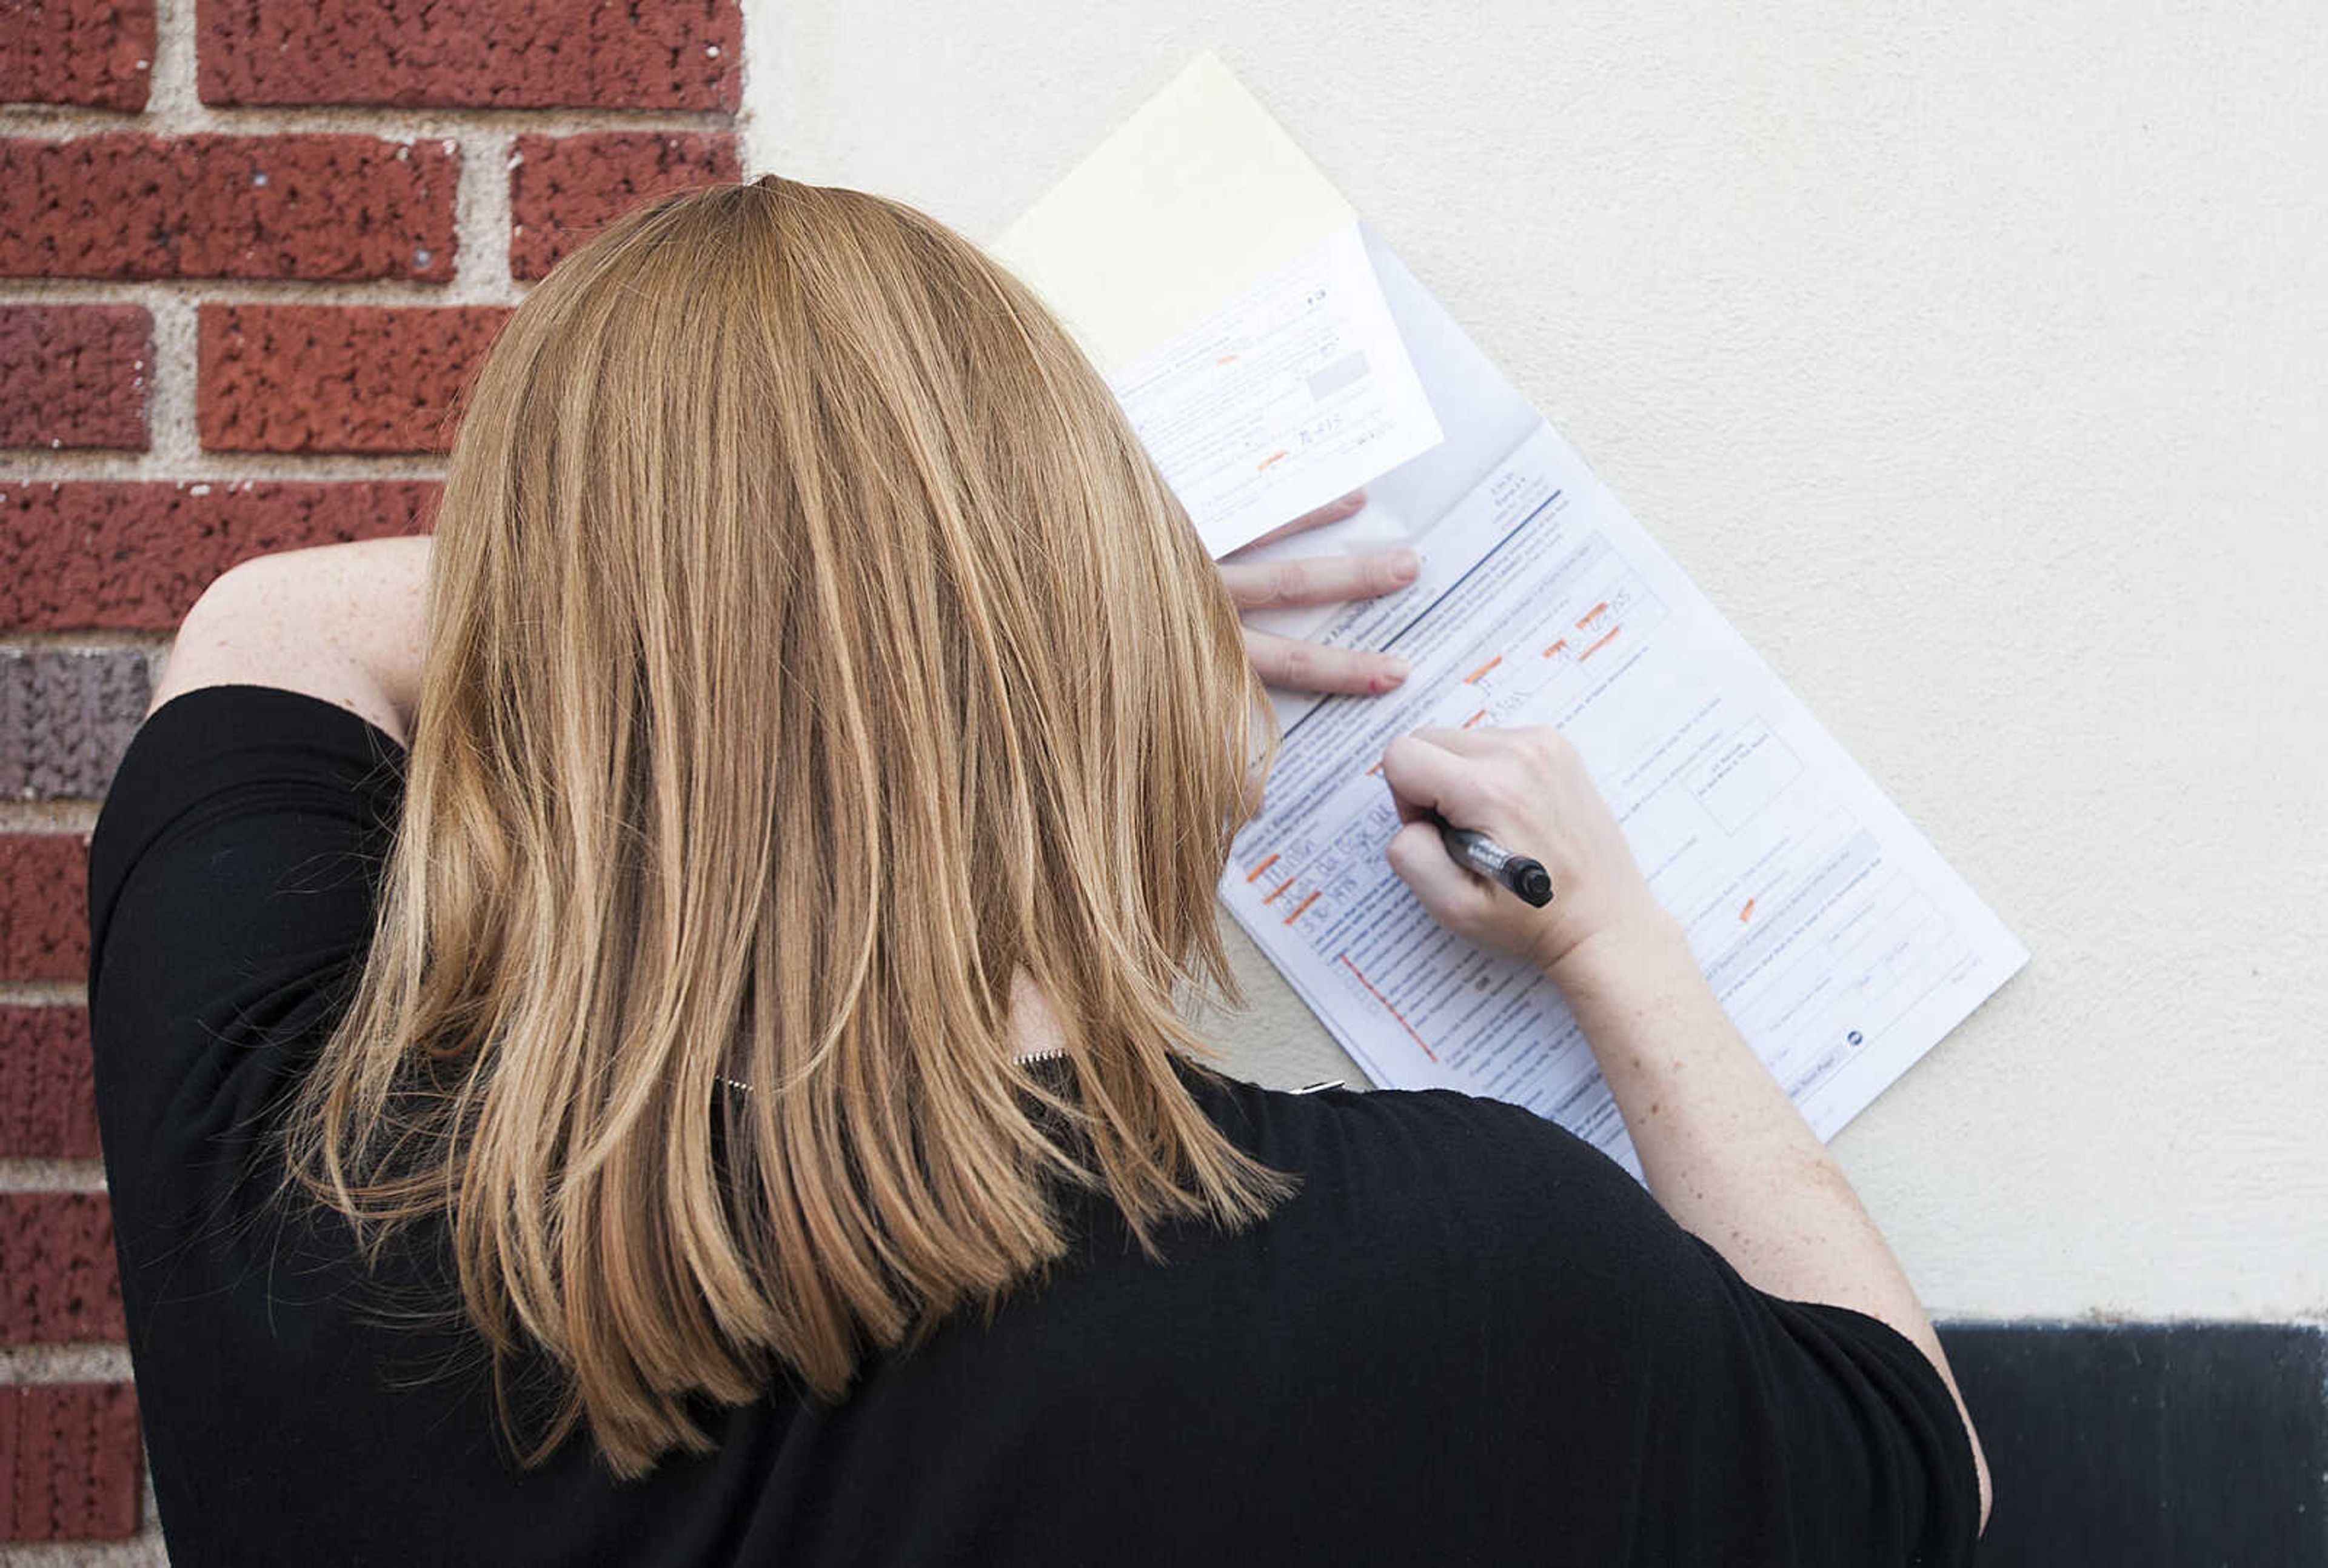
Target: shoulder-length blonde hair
{"type": "Point", "coordinates": [811, 650]}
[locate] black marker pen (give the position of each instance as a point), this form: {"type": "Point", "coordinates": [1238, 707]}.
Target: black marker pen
{"type": "Point", "coordinates": [1478, 852]}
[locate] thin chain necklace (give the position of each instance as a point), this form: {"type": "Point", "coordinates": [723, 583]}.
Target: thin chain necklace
{"type": "Point", "coordinates": [1053, 1055]}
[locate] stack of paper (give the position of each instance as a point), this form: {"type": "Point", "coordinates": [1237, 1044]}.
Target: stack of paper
{"type": "Point", "coordinates": [1273, 354]}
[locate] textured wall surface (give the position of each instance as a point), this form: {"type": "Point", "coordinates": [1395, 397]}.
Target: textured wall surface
{"type": "Point", "coordinates": [1972, 366]}
{"type": "Point", "coordinates": [76, 374]}
{"type": "Point", "coordinates": [250, 252]}
{"type": "Point", "coordinates": [561, 188]}
{"type": "Point", "coordinates": [139, 206]}
{"type": "Point", "coordinates": [98, 52]}
{"type": "Point", "coordinates": [650, 54]}
{"type": "Point", "coordinates": [1971, 361]}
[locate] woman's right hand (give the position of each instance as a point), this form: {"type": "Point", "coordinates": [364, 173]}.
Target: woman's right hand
{"type": "Point", "coordinates": [1527, 790]}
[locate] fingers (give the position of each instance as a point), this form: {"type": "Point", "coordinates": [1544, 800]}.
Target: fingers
{"type": "Point", "coordinates": [1452, 895]}
{"type": "Point", "coordinates": [1424, 776]}
{"type": "Point", "coordinates": [1317, 579]}
{"type": "Point", "coordinates": [1334, 511]}
{"type": "Point", "coordinates": [1300, 666]}
{"type": "Point", "coordinates": [1529, 790]}
{"type": "Point", "coordinates": [1461, 742]}
{"type": "Point", "coordinates": [1540, 742]}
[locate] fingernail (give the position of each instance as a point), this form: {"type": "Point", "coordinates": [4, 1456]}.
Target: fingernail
{"type": "Point", "coordinates": [1405, 563]}
{"type": "Point", "coordinates": [1394, 670]}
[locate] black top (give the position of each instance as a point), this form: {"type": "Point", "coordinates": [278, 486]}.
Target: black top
{"type": "Point", "coordinates": [1470, 1338]}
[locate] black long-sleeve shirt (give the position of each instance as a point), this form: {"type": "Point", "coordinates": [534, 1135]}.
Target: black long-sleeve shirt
{"type": "Point", "coordinates": [1469, 1337]}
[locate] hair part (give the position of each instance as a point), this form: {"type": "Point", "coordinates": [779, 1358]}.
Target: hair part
{"type": "Point", "coordinates": [814, 652]}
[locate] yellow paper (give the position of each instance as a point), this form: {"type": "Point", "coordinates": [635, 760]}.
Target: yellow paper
{"type": "Point", "coordinates": [1200, 195]}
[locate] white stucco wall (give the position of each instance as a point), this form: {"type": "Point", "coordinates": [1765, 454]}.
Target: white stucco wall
{"type": "Point", "coordinates": [1976, 365]}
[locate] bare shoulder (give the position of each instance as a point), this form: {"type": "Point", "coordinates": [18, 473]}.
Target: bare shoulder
{"type": "Point", "coordinates": [340, 622]}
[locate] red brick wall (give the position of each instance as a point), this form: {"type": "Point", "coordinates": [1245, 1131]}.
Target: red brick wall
{"type": "Point", "coordinates": [250, 252]}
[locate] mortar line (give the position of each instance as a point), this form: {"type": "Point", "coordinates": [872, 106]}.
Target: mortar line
{"type": "Point", "coordinates": [64, 816]}
{"type": "Point", "coordinates": [93, 1361]}
{"type": "Point", "coordinates": [25, 469]}
{"type": "Point", "coordinates": [35, 1173]}
{"type": "Point", "coordinates": [44, 993]}
{"type": "Point", "coordinates": [60, 122]}
{"type": "Point", "coordinates": [481, 222]}
{"type": "Point", "coordinates": [95, 640]}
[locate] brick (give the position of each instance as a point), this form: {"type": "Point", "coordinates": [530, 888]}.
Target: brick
{"type": "Point", "coordinates": [74, 375]}
{"type": "Point", "coordinates": [320, 377]}
{"type": "Point", "coordinates": [47, 1095]}
{"type": "Point", "coordinates": [134, 556]}
{"type": "Point", "coordinates": [655, 54]}
{"type": "Point", "coordinates": [563, 189]}
{"type": "Point", "coordinates": [43, 909]}
{"type": "Point", "coordinates": [123, 206]}
{"type": "Point", "coordinates": [58, 1281]}
{"type": "Point", "coordinates": [66, 716]}
{"type": "Point", "coordinates": [98, 54]}
{"type": "Point", "coordinates": [71, 1461]}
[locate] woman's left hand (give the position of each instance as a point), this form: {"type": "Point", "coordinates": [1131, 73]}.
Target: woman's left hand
{"type": "Point", "coordinates": [1300, 666]}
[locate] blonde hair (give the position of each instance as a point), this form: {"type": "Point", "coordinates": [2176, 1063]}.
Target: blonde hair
{"type": "Point", "coordinates": [811, 650]}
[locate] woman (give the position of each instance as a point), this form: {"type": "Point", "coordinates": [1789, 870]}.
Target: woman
{"type": "Point", "coordinates": [643, 1029]}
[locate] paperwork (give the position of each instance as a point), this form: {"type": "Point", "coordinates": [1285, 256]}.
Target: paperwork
{"type": "Point", "coordinates": [1219, 282]}
{"type": "Point", "coordinates": [1297, 393]}
{"type": "Point", "coordinates": [1840, 943]}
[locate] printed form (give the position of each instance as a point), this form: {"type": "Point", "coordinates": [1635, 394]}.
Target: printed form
{"type": "Point", "coordinates": [1840, 943]}
{"type": "Point", "coordinates": [1294, 395]}
{"type": "Point", "coordinates": [1220, 283]}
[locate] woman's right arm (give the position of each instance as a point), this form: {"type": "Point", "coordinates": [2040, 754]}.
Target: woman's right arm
{"type": "Point", "coordinates": [1725, 1150]}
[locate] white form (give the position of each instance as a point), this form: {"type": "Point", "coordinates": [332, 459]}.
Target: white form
{"type": "Point", "coordinates": [1296, 393]}
{"type": "Point", "coordinates": [1219, 282]}
{"type": "Point", "coordinates": [1840, 943]}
